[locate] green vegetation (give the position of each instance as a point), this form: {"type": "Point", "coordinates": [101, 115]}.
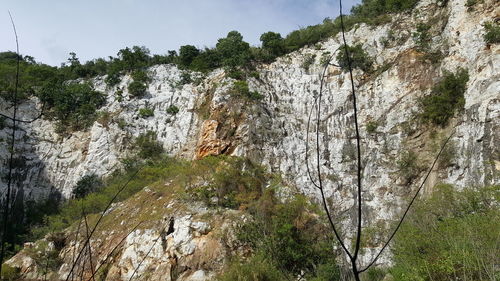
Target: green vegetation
{"type": "Point", "coordinates": [422, 37]}
{"type": "Point", "coordinates": [240, 88]}
{"type": "Point", "coordinates": [408, 166]}
{"type": "Point", "coordinates": [308, 61]}
{"type": "Point", "coordinates": [148, 146]}
{"type": "Point", "coordinates": [446, 97]}
{"type": "Point", "coordinates": [146, 112]}
{"type": "Point", "coordinates": [287, 240]}
{"type": "Point", "coordinates": [74, 105]}
{"type": "Point", "coordinates": [11, 273]}
{"type": "Point", "coordinates": [453, 235]}
{"type": "Point", "coordinates": [492, 35]}
{"type": "Point", "coordinates": [470, 4]}
{"type": "Point", "coordinates": [358, 57]}
{"type": "Point", "coordinates": [371, 127]}
{"type": "Point", "coordinates": [87, 184]}
{"type": "Point", "coordinates": [172, 110]}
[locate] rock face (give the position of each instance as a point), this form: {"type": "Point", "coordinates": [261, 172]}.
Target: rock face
{"type": "Point", "coordinates": [178, 242]}
{"type": "Point", "coordinates": [273, 131]}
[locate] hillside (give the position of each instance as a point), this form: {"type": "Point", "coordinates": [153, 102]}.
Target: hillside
{"type": "Point", "coordinates": [423, 74]}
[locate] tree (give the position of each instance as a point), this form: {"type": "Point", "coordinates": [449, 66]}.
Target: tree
{"type": "Point", "coordinates": [87, 184]}
{"type": "Point", "coordinates": [137, 57]}
{"type": "Point", "coordinates": [187, 54]}
{"type": "Point", "coordinates": [233, 50]}
{"type": "Point", "coordinates": [273, 44]}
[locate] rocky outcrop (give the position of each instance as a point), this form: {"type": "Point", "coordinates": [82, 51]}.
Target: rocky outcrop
{"type": "Point", "coordinates": [273, 131]}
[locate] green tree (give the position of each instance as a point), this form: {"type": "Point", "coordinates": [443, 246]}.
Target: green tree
{"type": "Point", "coordinates": [359, 58]}
{"type": "Point", "coordinates": [187, 54]}
{"type": "Point", "coordinates": [233, 50]}
{"type": "Point", "coordinates": [87, 184]}
{"type": "Point", "coordinates": [273, 44]}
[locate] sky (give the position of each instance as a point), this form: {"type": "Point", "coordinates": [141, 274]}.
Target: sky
{"type": "Point", "coordinates": [50, 29]}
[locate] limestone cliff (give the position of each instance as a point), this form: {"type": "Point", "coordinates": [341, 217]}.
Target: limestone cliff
{"type": "Point", "coordinates": [272, 131]}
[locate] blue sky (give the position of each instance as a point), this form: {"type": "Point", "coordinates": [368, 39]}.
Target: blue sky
{"type": "Point", "coordinates": [50, 29]}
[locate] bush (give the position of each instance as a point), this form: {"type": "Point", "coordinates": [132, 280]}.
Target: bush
{"type": "Point", "coordinates": [408, 166]}
{"type": "Point", "coordinates": [257, 268]}
{"type": "Point", "coordinates": [172, 110]}
{"type": "Point", "coordinates": [235, 182]}
{"type": "Point", "coordinates": [87, 184]}
{"type": "Point", "coordinates": [371, 127]}
{"type": "Point", "coordinates": [137, 89]}
{"type": "Point", "coordinates": [240, 88]}
{"type": "Point", "coordinates": [453, 235]}
{"type": "Point", "coordinates": [358, 57]}
{"type": "Point", "coordinates": [492, 35]}
{"type": "Point", "coordinates": [308, 61]}
{"type": "Point", "coordinates": [148, 145]}
{"type": "Point", "coordinates": [73, 104]}
{"type": "Point", "coordinates": [146, 112]}
{"type": "Point", "coordinates": [446, 97]}
{"type": "Point", "coordinates": [10, 273]}
{"type": "Point", "coordinates": [290, 237]}
{"type": "Point", "coordinates": [140, 76]}
{"type": "Point", "coordinates": [422, 37]}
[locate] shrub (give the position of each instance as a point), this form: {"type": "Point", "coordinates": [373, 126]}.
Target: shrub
{"type": "Point", "coordinates": [172, 110]}
{"type": "Point", "coordinates": [235, 182]}
{"type": "Point", "coordinates": [10, 273]}
{"type": "Point", "coordinates": [146, 112]}
{"type": "Point", "coordinates": [453, 234]}
{"type": "Point", "coordinates": [470, 4]}
{"type": "Point", "coordinates": [422, 37]}
{"type": "Point", "coordinates": [112, 78]}
{"type": "Point", "coordinates": [148, 146]}
{"type": "Point", "coordinates": [290, 237]}
{"type": "Point", "coordinates": [308, 61]}
{"type": "Point", "coordinates": [256, 268]}
{"type": "Point", "coordinates": [408, 167]}
{"type": "Point", "coordinates": [446, 97]}
{"type": "Point", "coordinates": [137, 89]}
{"type": "Point", "coordinates": [492, 35]}
{"type": "Point", "coordinates": [140, 76]}
{"type": "Point", "coordinates": [87, 184]}
{"type": "Point", "coordinates": [371, 127]}
{"type": "Point", "coordinates": [240, 88]}
{"type": "Point", "coordinates": [73, 104]}
{"type": "Point", "coordinates": [185, 78]}
{"type": "Point", "coordinates": [358, 57]}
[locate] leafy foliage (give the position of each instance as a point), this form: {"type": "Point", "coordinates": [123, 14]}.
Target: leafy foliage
{"type": "Point", "coordinates": [233, 50]}
{"type": "Point", "coordinates": [87, 184]}
{"type": "Point", "coordinates": [73, 104]}
{"type": "Point", "coordinates": [240, 88]}
{"type": "Point", "coordinates": [358, 57]}
{"type": "Point", "coordinates": [453, 235]}
{"type": "Point", "coordinates": [172, 110]}
{"type": "Point", "coordinates": [446, 97]}
{"type": "Point", "coordinates": [288, 237]}
{"type": "Point", "coordinates": [148, 146]}
{"type": "Point", "coordinates": [408, 166]}
{"type": "Point", "coordinates": [235, 182]}
{"type": "Point", "coordinates": [492, 35]}
{"type": "Point", "coordinates": [146, 112]}
{"type": "Point", "coordinates": [137, 89]}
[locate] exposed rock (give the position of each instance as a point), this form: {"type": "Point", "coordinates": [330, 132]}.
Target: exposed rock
{"type": "Point", "coordinates": [273, 132]}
